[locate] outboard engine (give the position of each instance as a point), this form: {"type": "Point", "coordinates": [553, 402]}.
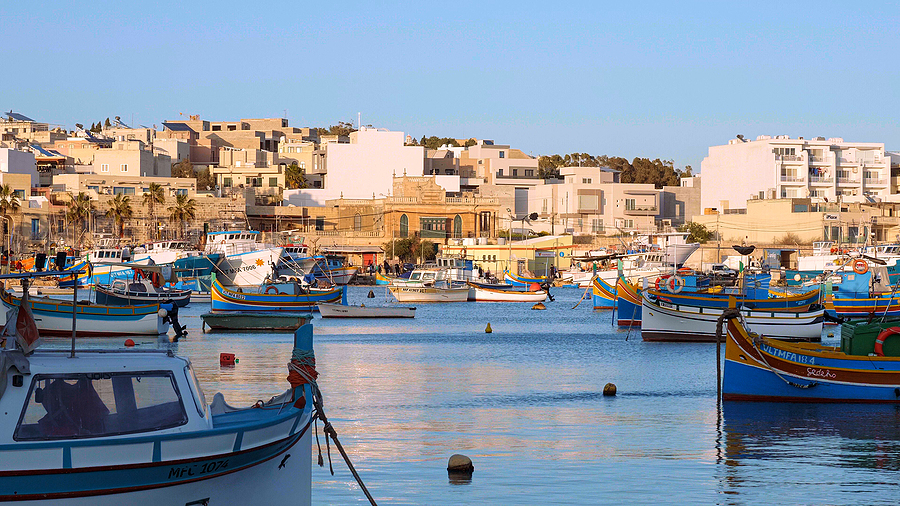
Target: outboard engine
{"type": "Point", "coordinates": [172, 317]}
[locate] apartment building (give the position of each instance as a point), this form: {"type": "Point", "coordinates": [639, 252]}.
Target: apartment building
{"type": "Point", "coordinates": [17, 129]}
{"type": "Point", "coordinates": [824, 170]}
{"type": "Point", "coordinates": [130, 158]}
{"type": "Point", "coordinates": [489, 163]}
{"type": "Point", "coordinates": [249, 168]}
{"type": "Point", "coordinates": [13, 161]}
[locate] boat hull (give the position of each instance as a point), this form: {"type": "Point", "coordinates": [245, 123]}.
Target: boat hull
{"type": "Point", "coordinates": [54, 318]}
{"type": "Point", "coordinates": [107, 296]}
{"type": "Point", "coordinates": [342, 311]}
{"type": "Point", "coordinates": [247, 269]}
{"type": "Point", "coordinates": [480, 293]}
{"type": "Point", "coordinates": [226, 299]}
{"type": "Point", "coordinates": [669, 322]}
{"type": "Point", "coordinates": [628, 304]}
{"type": "Point", "coordinates": [603, 295]}
{"type": "Point", "coordinates": [429, 294]}
{"type": "Point", "coordinates": [254, 321]}
{"type": "Point", "coordinates": [772, 371]}
{"type": "Point", "coordinates": [516, 280]}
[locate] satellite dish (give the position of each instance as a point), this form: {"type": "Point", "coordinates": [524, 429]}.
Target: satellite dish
{"type": "Point", "coordinates": [796, 277]}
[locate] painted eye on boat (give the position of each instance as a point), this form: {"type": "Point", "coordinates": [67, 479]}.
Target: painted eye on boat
{"type": "Point", "coordinates": [742, 357]}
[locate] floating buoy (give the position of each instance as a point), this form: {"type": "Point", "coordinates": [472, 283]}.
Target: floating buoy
{"type": "Point", "coordinates": [539, 305]}
{"type": "Point", "coordinates": [129, 343]}
{"type": "Point", "coordinates": [162, 313]}
{"type": "Point", "coordinates": [609, 390]}
{"type": "Point", "coordinates": [371, 295]}
{"type": "Point", "coordinates": [534, 287]}
{"type": "Point", "coordinates": [460, 464]}
{"type": "Point", "coordinates": [488, 330]}
{"type": "Point", "coordinates": [226, 359]}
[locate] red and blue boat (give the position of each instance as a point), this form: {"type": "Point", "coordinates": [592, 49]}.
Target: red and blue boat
{"type": "Point", "coordinates": [516, 280]}
{"type": "Point", "coordinates": [290, 297]}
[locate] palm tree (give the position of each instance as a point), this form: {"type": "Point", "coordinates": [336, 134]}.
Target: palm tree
{"type": "Point", "coordinates": [184, 210]}
{"type": "Point", "coordinates": [9, 202]}
{"type": "Point", "coordinates": [155, 195]}
{"type": "Point", "coordinates": [120, 211]}
{"type": "Point", "coordinates": [78, 212]}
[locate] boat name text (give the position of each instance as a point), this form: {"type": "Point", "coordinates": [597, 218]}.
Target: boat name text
{"type": "Point", "coordinates": [788, 355]}
{"type": "Point", "coordinates": [197, 469]}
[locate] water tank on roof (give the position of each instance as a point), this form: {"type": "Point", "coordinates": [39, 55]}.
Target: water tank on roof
{"type": "Point", "coordinates": [819, 139]}
{"type": "Point", "coordinates": [783, 137]}
{"type": "Point", "coordinates": [836, 140]}
{"type": "Point", "coordinates": [763, 137]}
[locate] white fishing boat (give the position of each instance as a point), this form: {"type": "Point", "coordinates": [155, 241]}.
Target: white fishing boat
{"type": "Point", "coordinates": [341, 311]}
{"type": "Point", "coordinates": [133, 427]}
{"type": "Point", "coordinates": [244, 261]}
{"type": "Point", "coordinates": [481, 293]}
{"type": "Point", "coordinates": [661, 320]}
{"type": "Point", "coordinates": [54, 317]}
{"type": "Point", "coordinates": [430, 293]}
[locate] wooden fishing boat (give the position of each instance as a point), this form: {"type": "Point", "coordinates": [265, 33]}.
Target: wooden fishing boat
{"type": "Point", "coordinates": [381, 279]}
{"type": "Point", "coordinates": [517, 280]}
{"type": "Point", "coordinates": [54, 317]}
{"type": "Point", "coordinates": [628, 304]}
{"type": "Point", "coordinates": [879, 305]}
{"type": "Point", "coordinates": [437, 293]}
{"type": "Point", "coordinates": [603, 295]}
{"type": "Point", "coordinates": [724, 300]}
{"type": "Point", "coordinates": [120, 427]}
{"type": "Point", "coordinates": [272, 297]}
{"type": "Point", "coordinates": [664, 320]}
{"type": "Point", "coordinates": [123, 292]}
{"type": "Point", "coordinates": [328, 310]}
{"type": "Point", "coordinates": [256, 320]}
{"type": "Point", "coordinates": [865, 368]}
{"type": "Point", "coordinates": [482, 293]}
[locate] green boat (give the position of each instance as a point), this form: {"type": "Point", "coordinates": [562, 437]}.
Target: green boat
{"type": "Point", "coordinates": [269, 322]}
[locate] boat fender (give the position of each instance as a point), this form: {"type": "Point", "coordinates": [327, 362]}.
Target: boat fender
{"type": "Point", "coordinates": [488, 329]}
{"type": "Point", "coordinates": [675, 284]}
{"type": "Point", "coordinates": [162, 312]}
{"type": "Point", "coordinates": [884, 334]}
{"type": "Point", "coordinates": [270, 288]}
{"type": "Point", "coordinates": [860, 266]}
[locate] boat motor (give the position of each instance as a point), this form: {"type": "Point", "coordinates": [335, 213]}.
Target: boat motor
{"type": "Point", "coordinates": [172, 317]}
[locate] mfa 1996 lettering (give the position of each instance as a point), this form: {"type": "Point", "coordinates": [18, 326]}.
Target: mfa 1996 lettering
{"type": "Point", "coordinates": [197, 469]}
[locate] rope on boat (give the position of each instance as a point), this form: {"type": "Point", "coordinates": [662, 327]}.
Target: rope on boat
{"type": "Point", "coordinates": [302, 369]}
{"type": "Point", "coordinates": [590, 285]}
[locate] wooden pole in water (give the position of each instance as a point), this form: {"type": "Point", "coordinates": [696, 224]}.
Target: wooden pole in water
{"type": "Point", "coordinates": [74, 307]}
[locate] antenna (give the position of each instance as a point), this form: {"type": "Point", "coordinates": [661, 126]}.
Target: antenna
{"type": "Point", "coordinates": [358, 120]}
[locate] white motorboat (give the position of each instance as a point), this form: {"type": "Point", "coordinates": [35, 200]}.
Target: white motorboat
{"type": "Point", "coordinates": [429, 285]}
{"type": "Point", "coordinates": [662, 320]}
{"type": "Point", "coordinates": [244, 260]}
{"type": "Point", "coordinates": [341, 311]}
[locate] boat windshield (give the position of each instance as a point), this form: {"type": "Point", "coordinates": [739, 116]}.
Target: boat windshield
{"type": "Point", "coordinates": [85, 405]}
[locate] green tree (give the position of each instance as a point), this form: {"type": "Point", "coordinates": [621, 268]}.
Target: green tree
{"type": "Point", "coordinates": [436, 142]}
{"type": "Point", "coordinates": [107, 124]}
{"type": "Point", "coordinates": [471, 142]}
{"type": "Point", "coordinates": [697, 232]}
{"type": "Point", "coordinates": [404, 249]}
{"type": "Point", "coordinates": [183, 168]}
{"type": "Point", "coordinates": [120, 212]}
{"type": "Point", "coordinates": [156, 194]}
{"type": "Point", "coordinates": [9, 203]}
{"type": "Point", "coordinates": [343, 128]}
{"type": "Point", "coordinates": [205, 180]}
{"type": "Point", "coordinates": [78, 212]}
{"type": "Point", "coordinates": [183, 211]}
{"type": "Point", "coordinates": [294, 177]}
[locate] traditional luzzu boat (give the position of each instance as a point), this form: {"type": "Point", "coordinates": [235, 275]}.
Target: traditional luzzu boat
{"type": "Point", "coordinates": [603, 295]}
{"type": "Point", "coordinates": [724, 300]}
{"type": "Point", "coordinates": [272, 297]}
{"type": "Point", "coordinates": [483, 293]}
{"type": "Point", "coordinates": [54, 317]}
{"type": "Point", "coordinates": [142, 291]}
{"type": "Point", "coordinates": [662, 320]}
{"type": "Point", "coordinates": [517, 280]}
{"type": "Point", "coordinates": [133, 427]}
{"type": "Point", "coordinates": [628, 302]}
{"type": "Point", "coordinates": [381, 279]}
{"type": "Point", "coordinates": [865, 368]}
{"type": "Point", "coordinates": [344, 311]}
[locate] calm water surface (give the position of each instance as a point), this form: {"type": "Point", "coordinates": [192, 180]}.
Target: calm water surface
{"type": "Point", "coordinates": [525, 403]}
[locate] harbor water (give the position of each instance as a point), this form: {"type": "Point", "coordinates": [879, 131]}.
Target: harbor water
{"type": "Point", "coordinates": [525, 403]}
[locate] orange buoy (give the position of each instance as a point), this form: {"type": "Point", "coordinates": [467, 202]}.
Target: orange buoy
{"type": "Point", "coordinates": [129, 343]}
{"type": "Point", "coordinates": [534, 287]}
{"type": "Point", "coordinates": [226, 359]}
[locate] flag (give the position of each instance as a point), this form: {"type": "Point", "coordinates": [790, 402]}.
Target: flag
{"type": "Point", "coordinates": [20, 325]}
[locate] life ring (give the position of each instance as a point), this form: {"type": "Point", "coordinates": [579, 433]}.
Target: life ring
{"type": "Point", "coordinates": [272, 287]}
{"type": "Point", "coordinates": [860, 266]}
{"type": "Point", "coordinates": [661, 281]}
{"type": "Point", "coordinates": [884, 334]}
{"type": "Point", "coordinates": [675, 284]}
{"type": "Point", "coordinates": [462, 252]}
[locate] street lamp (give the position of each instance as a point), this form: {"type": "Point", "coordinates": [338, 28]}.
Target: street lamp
{"type": "Point", "coordinates": [509, 241]}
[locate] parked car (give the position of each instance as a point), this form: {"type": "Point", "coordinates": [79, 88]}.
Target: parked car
{"type": "Point", "coordinates": [723, 274]}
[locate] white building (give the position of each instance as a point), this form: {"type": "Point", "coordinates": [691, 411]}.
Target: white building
{"type": "Point", "coordinates": [782, 167]}
{"type": "Point", "coordinates": [365, 168]}
{"type": "Point", "coordinates": [18, 162]}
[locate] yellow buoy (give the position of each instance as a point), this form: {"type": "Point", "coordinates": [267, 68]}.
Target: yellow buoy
{"type": "Point", "coordinates": [488, 329]}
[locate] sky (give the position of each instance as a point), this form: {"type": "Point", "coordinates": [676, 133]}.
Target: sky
{"type": "Point", "coordinates": [632, 79]}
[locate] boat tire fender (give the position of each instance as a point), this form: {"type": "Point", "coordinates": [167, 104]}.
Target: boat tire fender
{"type": "Point", "coordinates": [884, 334]}
{"type": "Point", "coordinates": [675, 284]}
{"type": "Point", "coordinates": [860, 266]}
{"type": "Point", "coordinates": [270, 288]}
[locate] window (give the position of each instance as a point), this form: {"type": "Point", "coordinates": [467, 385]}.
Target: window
{"type": "Point", "coordinates": [357, 222]}
{"type": "Point", "coordinates": [257, 182]}
{"type": "Point", "coordinates": [124, 167]}
{"type": "Point", "coordinates": [20, 194]}
{"type": "Point", "coordinates": [273, 182]}
{"type": "Point", "coordinates": [515, 172]}
{"type": "Point", "coordinates": [124, 190]}
{"type": "Point", "coordinates": [529, 172]}
{"type": "Point", "coordinates": [500, 173]}
{"type": "Point", "coordinates": [181, 191]}
{"type": "Point", "coordinates": [630, 204]}
{"type": "Point", "coordinates": [585, 180]}
{"type": "Point", "coordinates": [588, 202]}
{"type": "Point", "coordinates": [404, 226]}
{"type": "Point", "coordinates": [503, 154]}
{"type": "Point", "coordinates": [99, 404]}
{"type": "Point", "coordinates": [35, 229]}
{"type": "Point", "coordinates": [95, 188]}
{"type": "Point", "coordinates": [544, 207]}
{"type": "Point", "coordinates": [217, 128]}
{"type": "Point", "coordinates": [303, 166]}
{"type": "Point", "coordinates": [232, 128]}
{"type": "Point", "coordinates": [596, 225]}
{"type": "Point", "coordinates": [320, 223]}
{"type": "Point", "coordinates": [433, 227]}
{"type": "Point", "coordinates": [785, 151]}
{"type": "Point", "coordinates": [61, 226]}
{"type": "Point", "coordinates": [104, 167]}
{"type": "Point", "coordinates": [629, 223]}
{"type": "Point", "coordinates": [457, 227]}
{"type": "Point", "coordinates": [226, 182]}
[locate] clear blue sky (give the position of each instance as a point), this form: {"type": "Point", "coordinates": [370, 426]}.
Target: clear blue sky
{"type": "Point", "coordinates": [630, 79]}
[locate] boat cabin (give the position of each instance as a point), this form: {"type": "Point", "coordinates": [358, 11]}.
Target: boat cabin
{"type": "Point", "coordinates": [110, 255]}
{"type": "Point", "coordinates": [233, 242]}
{"type": "Point", "coordinates": [103, 394]}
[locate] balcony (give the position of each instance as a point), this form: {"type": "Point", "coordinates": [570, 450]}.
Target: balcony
{"type": "Point", "coordinates": [789, 158]}
{"type": "Point", "coordinates": [642, 210]}
{"type": "Point", "coordinates": [871, 181]}
{"type": "Point", "coordinates": [819, 159]}
{"type": "Point", "coordinates": [848, 180]}
{"type": "Point", "coordinates": [791, 179]}
{"type": "Point", "coordinates": [821, 179]}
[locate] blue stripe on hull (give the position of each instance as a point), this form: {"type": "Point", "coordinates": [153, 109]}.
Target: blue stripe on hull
{"type": "Point", "coordinates": [746, 382]}
{"type": "Point", "coordinates": [628, 312]}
